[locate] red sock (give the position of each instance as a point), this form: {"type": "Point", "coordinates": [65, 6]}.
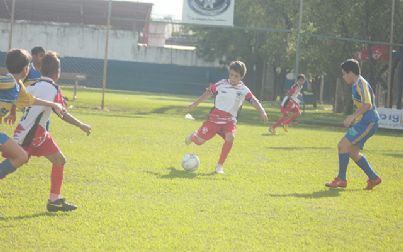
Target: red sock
{"type": "Point", "coordinates": [280, 121]}
{"type": "Point", "coordinates": [196, 140]}
{"type": "Point", "coordinates": [226, 148]}
{"type": "Point", "coordinates": [56, 179]}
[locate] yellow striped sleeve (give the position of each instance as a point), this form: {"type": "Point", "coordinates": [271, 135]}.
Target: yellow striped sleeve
{"type": "Point", "coordinates": [25, 99]}
{"type": "Point", "coordinates": [363, 91]}
{"type": "Point", "coordinates": [6, 82]}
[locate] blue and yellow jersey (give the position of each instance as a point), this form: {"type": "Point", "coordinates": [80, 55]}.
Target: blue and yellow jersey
{"type": "Point", "coordinates": [33, 76]}
{"type": "Point", "coordinates": [363, 94]}
{"type": "Point", "coordinates": [13, 93]}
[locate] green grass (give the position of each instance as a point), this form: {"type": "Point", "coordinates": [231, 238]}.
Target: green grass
{"type": "Point", "coordinates": [133, 195]}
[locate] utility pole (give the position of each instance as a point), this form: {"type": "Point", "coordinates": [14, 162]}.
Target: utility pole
{"type": "Point", "coordinates": [389, 97]}
{"type": "Point", "coordinates": [297, 51]}
{"type": "Point", "coordinates": [10, 37]}
{"type": "Point", "coordinates": [105, 75]}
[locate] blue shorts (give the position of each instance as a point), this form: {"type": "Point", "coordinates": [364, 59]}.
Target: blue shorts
{"type": "Point", "coordinates": [360, 132]}
{"type": "Point", "coordinates": [3, 138]}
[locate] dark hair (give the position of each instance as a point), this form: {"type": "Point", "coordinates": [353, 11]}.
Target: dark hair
{"type": "Point", "coordinates": [16, 60]}
{"type": "Point", "coordinates": [301, 76]}
{"type": "Point", "coordinates": [351, 65]}
{"type": "Point", "coordinates": [37, 50]}
{"type": "Point", "coordinates": [239, 67]}
{"type": "Point", "coordinates": [50, 64]}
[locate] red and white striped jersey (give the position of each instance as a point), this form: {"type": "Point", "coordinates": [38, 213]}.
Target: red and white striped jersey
{"type": "Point", "coordinates": [228, 100]}
{"type": "Point", "coordinates": [37, 116]}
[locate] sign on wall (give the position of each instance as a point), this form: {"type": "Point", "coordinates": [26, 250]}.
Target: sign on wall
{"type": "Point", "coordinates": [391, 118]}
{"type": "Point", "coordinates": [208, 12]}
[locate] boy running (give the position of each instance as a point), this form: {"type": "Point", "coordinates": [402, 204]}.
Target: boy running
{"type": "Point", "coordinates": [32, 135]}
{"type": "Point", "coordinates": [229, 96]}
{"type": "Point", "coordinates": [290, 104]}
{"type": "Point", "coordinates": [362, 125]}
{"type": "Point", "coordinates": [13, 93]}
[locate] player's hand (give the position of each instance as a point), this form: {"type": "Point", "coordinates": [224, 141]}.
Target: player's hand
{"type": "Point", "coordinates": [10, 119]}
{"type": "Point", "coordinates": [264, 117]}
{"type": "Point", "coordinates": [86, 128]}
{"type": "Point", "coordinates": [349, 121]}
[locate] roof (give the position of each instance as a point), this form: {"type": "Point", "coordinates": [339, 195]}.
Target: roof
{"type": "Point", "coordinates": [124, 15]}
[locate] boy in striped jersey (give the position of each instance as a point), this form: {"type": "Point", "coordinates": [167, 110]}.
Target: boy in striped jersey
{"type": "Point", "coordinates": [361, 126]}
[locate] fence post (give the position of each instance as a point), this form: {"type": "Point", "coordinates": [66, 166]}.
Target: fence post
{"type": "Point", "coordinates": [75, 90]}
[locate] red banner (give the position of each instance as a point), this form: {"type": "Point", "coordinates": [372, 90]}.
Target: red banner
{"type": "Point", "coordinates": [379, 52]}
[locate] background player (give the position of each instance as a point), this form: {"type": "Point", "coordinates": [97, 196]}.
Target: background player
{"type": "Point", "coordinates": [290, 104]}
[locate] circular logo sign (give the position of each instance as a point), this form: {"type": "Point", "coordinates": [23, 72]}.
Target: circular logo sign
{"type": "Point", "coordinates": [209, 7]}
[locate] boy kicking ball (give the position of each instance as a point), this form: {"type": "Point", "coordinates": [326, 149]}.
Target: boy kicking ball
{"type": "Point", "coordinates": [362, 125]}
{"type": "Point", "coordinates": [229, 96]}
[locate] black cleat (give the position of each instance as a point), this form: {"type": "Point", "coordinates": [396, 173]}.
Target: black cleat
{"type": "Point", "coordinates": [60, 205]}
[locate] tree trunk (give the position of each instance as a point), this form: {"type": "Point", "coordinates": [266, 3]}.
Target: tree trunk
{"type": "Point", "coordinates": [338, 100]}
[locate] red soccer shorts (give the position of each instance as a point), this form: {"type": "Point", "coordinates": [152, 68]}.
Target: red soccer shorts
{"type": "Point", "coordinates": [210, 129]}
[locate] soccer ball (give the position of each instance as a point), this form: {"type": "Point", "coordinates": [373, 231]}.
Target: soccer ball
{"type": "Point", "coordinates": [190, 162]}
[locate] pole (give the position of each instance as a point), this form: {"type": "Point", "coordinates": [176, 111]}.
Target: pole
{"type": "Point", "coordinates": [105, 76]}
{"type": "Point", "coordinates": [389, 97]}
{"type": "Point", "coordinates": [297, 50]}
{"type": "Point", "coordinates": [400, 89]}
{"type": "Point", "coordinates": [322, 87]}
{"type": "Point", "coordinates": [10, 37]}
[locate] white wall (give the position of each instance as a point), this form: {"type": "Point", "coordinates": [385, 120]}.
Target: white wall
{"type": "Point", "coordinates": [88, 42]}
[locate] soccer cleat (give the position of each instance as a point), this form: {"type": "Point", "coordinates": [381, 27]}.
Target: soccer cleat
{"type": "Point", "coordinates": [371, 183]}
{"type": "Point", "coordinates": [285, 127]}
{"type": "Point", "coordinates": [60, 205]}
{"type": "Point", "coordinates": [219, 169]}
{"type": "Point", "coordinates": [272, 130]}
{"type": "Point", "coordinates": [188, 140]}
{"type": "Point", "coordinates": [337, 182]}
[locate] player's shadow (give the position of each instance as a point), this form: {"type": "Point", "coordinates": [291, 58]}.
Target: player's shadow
{"type": "Point", "coordinates": [299, 148]}
{"type": "Point", "coordinates": [31, 216]}
{"type": "Point", "coordinates": [175, 173]}
{"type": "Point", "coordinates": [271, 135]}
{"type": "Point", "coordinates": [319, 194]}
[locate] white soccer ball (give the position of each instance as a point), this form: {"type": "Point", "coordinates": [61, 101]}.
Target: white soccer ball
{"type": "Point", "coordinates": [190, 162]}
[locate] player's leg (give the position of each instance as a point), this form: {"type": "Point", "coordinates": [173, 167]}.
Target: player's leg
{"type": "Point", "coordinates": [341, 179]}
{"type": "Point", "coordinates": [203, 134]}
{"type": "Point", "coordinates": [51, 151]}
{"type": "Point", "coordinates": [56, 202]}
{"type": "Point", "coordinates": [15, 155]}
{"type": "Point", "coordinates": [361, 160]}
{"type": "Point", "coordinates": [296, 113]}
{"type": "Point", "coordinates": [229, 130]}
{"type": "Point", "coordinates": [56, 177]}
{"type": "Point", "coordinates": [284, 116]}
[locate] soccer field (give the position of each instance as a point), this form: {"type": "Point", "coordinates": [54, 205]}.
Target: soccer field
{"type": "Point", "coordinates": [133, 195]}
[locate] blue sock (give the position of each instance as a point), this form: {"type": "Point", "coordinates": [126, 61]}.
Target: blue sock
{"type": "Point", "coordinates": [366, 167]}
{"type": "Point", "coordinates": [6, 168]}
{"type": "Point", "coordinates": [343, 163]}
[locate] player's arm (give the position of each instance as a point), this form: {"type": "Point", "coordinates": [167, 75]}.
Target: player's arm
{"type": "Point", "coordinates": [58, 108]}
{"type": "Point", "coordinates": [258, 106]}
{"type": "Point", "coordinates": [12, 115]}
{"type": "Point", "coordinates": [26, 99]}
{"type": "Point", "coordinates": [206, 95]}
{"type": "Point", "coordinates": [69, 118]}
{"type": "Point", "coordinates": [351, 118]}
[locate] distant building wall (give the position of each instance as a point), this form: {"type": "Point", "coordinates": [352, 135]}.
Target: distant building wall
{"type": "Point", "coordinates": [89, 42]}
